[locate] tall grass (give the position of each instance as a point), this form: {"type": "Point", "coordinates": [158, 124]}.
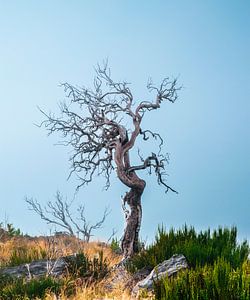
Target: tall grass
{"type": "Point", "coordinates": [199, 248]}
{"type": "Point", "coordinates": [88, 267]}
{"type": "Point", "coordinates": [84, 267]}
{"type": "Point", "coordinates": [217, 282]}
{"type": "Point", "coordinates": [19, 288]}
{"type": "Point", "coordinates": [218, 269]}
{"type": "Point", "coordinates": [82, 271]}
{"type": "Point", "coordinates": [22, 255]}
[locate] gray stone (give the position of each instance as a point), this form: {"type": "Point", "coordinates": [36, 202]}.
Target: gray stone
{"type": "Point", "coordinates": [39, 268]}
{"type": "Point", "coordinates": [168, 268]}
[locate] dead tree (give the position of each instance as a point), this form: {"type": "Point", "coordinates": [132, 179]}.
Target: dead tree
{"type": "Point", "coordinates": [83, 226]}
{"type": "Point", "coordinates": [58, 213]}
{"type": "Point", "coordinates": [101, 125]}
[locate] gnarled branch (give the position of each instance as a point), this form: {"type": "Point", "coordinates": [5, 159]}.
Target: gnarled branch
{"type": "Point", "coordinates": [158, 166]}
{"type": "Point", "coordinates": [101, 125]}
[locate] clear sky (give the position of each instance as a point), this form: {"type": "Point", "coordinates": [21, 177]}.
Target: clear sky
{"type": "Point", "coordinates": [207, 133]}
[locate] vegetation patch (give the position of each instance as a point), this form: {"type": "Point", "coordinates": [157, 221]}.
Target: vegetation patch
{"type": "Point", "coordinates": [18, 288]}
{"type": "Point", "coordinates": [218, 282]}
{"type": "Point", "coordinates": [218, 267]}
{"type": "Point", "coordinates": [200, 249]}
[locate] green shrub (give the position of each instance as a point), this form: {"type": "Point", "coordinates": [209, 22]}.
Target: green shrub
{"type": "Point", "coordinates": [199, 248]}
{"type": "Point", "coordinates": [12, 231]}
{"type": "Point", "coordinates": [82, 266]}
{"type": "Point", "coordinates": [18, 288]}
{"type": "Point", "coordinates": [115, 246]}
{"type": "Point", "coordinates": [217, 282]}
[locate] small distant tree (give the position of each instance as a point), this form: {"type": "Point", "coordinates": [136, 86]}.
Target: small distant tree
{"type": "Point", "coordinates": [9, 230]}
{"type": "Point", "coordinates": [101, 125]}
{"type": "Point", "coordinates": [12, 231]}
{"type": "Point", "coordinates": [58, 213]}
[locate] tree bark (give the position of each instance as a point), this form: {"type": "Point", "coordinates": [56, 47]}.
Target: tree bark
{"type": "Point", "coordinates": [130, 240]}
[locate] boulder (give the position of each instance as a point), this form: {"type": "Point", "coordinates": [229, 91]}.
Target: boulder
{"type": "Point", "coordinates": [138, 276]}
{"type": "Point", "coordinates": [39, 268]}
{"type": "Point", "coordinates": [168, 268]}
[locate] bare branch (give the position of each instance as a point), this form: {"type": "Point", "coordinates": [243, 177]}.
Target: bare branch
{"type": "Point", "coordinates": [86, 228]}
{"type": "Point", "coordinates": [166, 91]}
{"type": "Point", "coordinates": [148, 133]}
{"type": "Point", "coordinates": [58, 213]}
{"type": "Point", "coordinates": [158, 166]}
{"type": "Point", "coordinates": [114, 232]}
{"type": "Point", "coordinates": [53, 213]}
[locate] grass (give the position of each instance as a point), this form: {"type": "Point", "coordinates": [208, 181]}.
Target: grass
{"type": "Point", "coordinates": [200, 248]}
{"type": "Point", "coordinates": [217, 282]}
{"type": "Point", "coordinates": [22, 289]}
{"type": "Point", "coordinates": [19, 250]}
{"type": "Point", "coordinates": [218, 264]}
{"type": "Point", "coordinates": [83, 276]}
{"type": "Point", "coordinates": [218, 267]}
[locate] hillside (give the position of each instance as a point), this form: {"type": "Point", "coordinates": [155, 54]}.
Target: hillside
{"type": "Point", "coordinates": [217, 267]}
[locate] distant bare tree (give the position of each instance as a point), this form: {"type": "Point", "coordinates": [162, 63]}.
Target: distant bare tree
{"type": "Point", "coordinates": [114, 232]}
{"type": "Point", "coordinates": [101, 125]}
{"type": "Point", "coordinates": [58, 213]}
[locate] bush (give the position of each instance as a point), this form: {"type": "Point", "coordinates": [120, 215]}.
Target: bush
{"type": "Point", "coordinates": [83, 267]}
{"type": "Point", "coordinates": [115, 246]}
{"type": "Point", "coordinates": [217, 282]}
{"type": "Point", "coordinates": [18, 288]}
{"type": "Point", "coordinates": [12, 231]}
{"type": "Point", "coordinates": [199, 248]}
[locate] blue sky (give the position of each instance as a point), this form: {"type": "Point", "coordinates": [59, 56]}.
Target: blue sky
{"type": "Point", "coordinates": [207, 133]}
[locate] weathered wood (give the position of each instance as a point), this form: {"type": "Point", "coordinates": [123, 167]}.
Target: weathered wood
{"type": "Point", "coordinates": [130, 240]}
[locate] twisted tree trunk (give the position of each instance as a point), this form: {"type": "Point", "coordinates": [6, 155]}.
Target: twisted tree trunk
{"type": "Point", "coordinates": [130, 240]}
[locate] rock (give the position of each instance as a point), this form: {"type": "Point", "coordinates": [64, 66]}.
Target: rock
{"type": "Point", "coordinates": [120, 279]}
{"type": "Point", "coordinates": [39, 268]}
{"type": "Point", "coordinates": [138, 276]}
{"type": "Point", "coordinates": [117, 278]}
{"type": "Point", "coordinates": [168, 268]}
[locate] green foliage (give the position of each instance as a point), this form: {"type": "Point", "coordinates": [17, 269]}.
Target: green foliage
{"type": "Point", "coordinates": [83, 267]}
{"type": "Point", "coordinates": [18, 288]}
{"type": "Point", "coordinates": [217, 282]}
{"type": "Point", "coordinates": [199, 248]}
{"type": "Point", "coordinates": [12, 231]}
{"type": "Point", "coordinates": [115, 246]}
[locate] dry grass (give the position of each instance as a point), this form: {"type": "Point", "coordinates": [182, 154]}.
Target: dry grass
{"type": "Point", "coordinates": [92, 293]}
{"type": "Point", "coordinates": [53, 247]}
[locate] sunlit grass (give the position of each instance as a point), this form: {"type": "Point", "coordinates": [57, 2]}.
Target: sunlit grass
{"type": "Point", "coordinates": [20, 250]}
{"type": "Point", "coordinates": [217, 262]}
